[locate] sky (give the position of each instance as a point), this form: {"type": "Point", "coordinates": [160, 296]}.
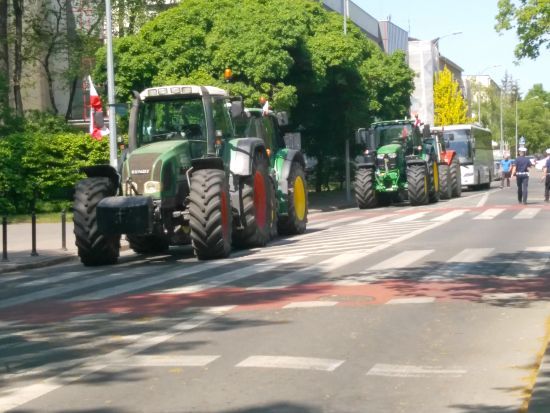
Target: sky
{"type": "Point", "coordinates": [478, 49]}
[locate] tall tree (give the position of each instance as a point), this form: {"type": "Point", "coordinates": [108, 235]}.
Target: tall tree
{"type": "Point", "coordinates": [449, 104]}
{"type": "Point", "coordinates": [18, 10]}
{"type": "Point", "coordinates": [531, 21]}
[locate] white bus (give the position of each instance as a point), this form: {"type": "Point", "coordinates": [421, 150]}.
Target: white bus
{"type": "Point", "coordinates": [473, 145]}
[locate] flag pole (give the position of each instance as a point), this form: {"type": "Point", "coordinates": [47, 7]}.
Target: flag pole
{"type": "Point", "coordinates": [111, 88]}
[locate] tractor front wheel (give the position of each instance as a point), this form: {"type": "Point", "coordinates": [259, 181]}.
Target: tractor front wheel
{"type": "Point", "coordinates": [417, 183]}
{"type": "Point", "coordinates": [210, 214]}
{"type": "Point", "coordinates": [364, 189]}
{"type": "Point", "coordinates": [445, 181]}
{"type": "Point", "coordinates": [434, 182]}
{"type": "Point", "coordinates": [456, 179]}
{"type": "Point", "coordinates": [94, 248]}
{"type": "Point", "coordinates": [295, 221]}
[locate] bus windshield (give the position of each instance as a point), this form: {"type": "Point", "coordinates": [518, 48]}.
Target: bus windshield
{"type": "Point", "coordinates": [460, 142]}
{"type": "Point", "coordinates": [171, 119]}
{"type": "Point", "coordinates": [389, 134]}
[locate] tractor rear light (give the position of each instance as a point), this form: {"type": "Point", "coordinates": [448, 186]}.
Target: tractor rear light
{"type": "Point", "coordinates": [151, 187]}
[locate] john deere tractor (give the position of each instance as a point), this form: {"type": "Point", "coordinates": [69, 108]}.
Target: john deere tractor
{"type": "Point", "coordinates": [187, 178]}
{"type": "Point", "coordinates": [398, 162]}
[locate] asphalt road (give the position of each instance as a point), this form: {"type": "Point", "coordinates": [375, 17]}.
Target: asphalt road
{"type": "Point", "coordinates": [442, 308]}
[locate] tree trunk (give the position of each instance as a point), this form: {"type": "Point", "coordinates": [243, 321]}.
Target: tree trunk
{"type": "Point", "coordinates": [4, 50]}
{"type": "Point", "coordinates": [18, 7]}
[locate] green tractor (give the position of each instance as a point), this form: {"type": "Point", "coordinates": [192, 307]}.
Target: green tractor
{"type": "Point", "coordinates": [287, 165]}
{"type": "Point", "coordinates": [187, 178]}
{"type": "Point", "coordinates": [398, 162]}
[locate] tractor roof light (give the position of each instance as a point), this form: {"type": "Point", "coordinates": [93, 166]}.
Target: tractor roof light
{"type": "Point", "coordinates": [227, 74]}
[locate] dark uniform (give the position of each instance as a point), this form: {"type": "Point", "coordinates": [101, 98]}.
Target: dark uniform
{"type": "Point", "coordinates": [547, 181]}
{"type": "Point", "coordinates": [522, 177]}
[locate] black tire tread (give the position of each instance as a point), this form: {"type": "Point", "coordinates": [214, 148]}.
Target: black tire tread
{"type": "Point", "coordinates": [290, 224]}
{"type": "Point", "coordinates": [445, 181]}
{"type": "Point", "coordinates": [364, 189]}
{"type": "Point", "coordinates": [205, 210]}
{"type": "Point", "coordinates": [456, 179]}
{"type": "Point", "coordinates": [415, 182]}
{"type": "Point", "coordinates": [94, 248]}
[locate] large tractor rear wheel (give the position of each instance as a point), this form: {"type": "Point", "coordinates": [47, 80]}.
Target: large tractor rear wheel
{"type": "Point", "coordinates": [364, 188]}
{"type": "Point", "coordinates": [434, 182]}
{"type": "Point", "coordinates": [256, 205]}
{"type": "Point", "coordinates": [147, 244]}
{"type": "Point", "coordinates": [295, 221]}
{"type": "Point", "coordinates": [445, 183]}
{"type": "Point", "coordinates": [210, 214]}
{"type": "Point", "coordinates": [94, 248]}
{"type": "Point", "coordinates": [456, 179]}
{"type": "Point", "coordinates": [417, 183]}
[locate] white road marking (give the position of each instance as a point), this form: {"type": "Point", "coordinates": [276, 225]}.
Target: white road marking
{"type": "Point", "coordinates": [527, 213]}
{"type": "Point", "coordinates": [529, 267]}
{"type": "Point", "coordinates": [459, 264]}
{"type": "Point", "coordinates": [490, 213]}
{"type": "Point", "coordinates": [483, 200]}
{"type": "Point", "coordinates": [311, 304]}
{"type": "Point", "coordinates": [286, 362]}
{"type": "Point", "coordinates": [50, 279]}
{"type": "Point", "coordinates": [230, 276]}
{"type": "Point", "coordinates": [150, 281]}
{"type": "Point", "coordinates": [16, 396]}
{"type": "Point", "coordinates": [407, 371]}
{"type": "Point", "coordinates": [411, 217]}
{"type": "Point", "coordinates": [328, 223]}
{"type": "Point", "coordinates": [169, 361]}
{"type": "Point", "coordinates": [504, 296]}
{"type": "Point", "coordinates": [324, 267]}
{"type": "Point", "coordinates": [412, 300]}
{"type": "Point", "coordinates": [400, 260]}
{"type": "Point", "coordinates": [450, 215]}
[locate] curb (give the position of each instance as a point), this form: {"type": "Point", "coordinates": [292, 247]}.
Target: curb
{"type": "Point", "coordinates": [46, 262]}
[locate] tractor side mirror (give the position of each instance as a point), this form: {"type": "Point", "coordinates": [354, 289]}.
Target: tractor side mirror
{"type": "Point", "coordinates": [361, 136]}
{"type": "Point", "coordinates": [282, 118]}
{"type": "Point", "coordinates": [237, 108]}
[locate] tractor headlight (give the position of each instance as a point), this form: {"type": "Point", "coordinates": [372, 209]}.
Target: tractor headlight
{"type": "Point", "coordinates": [381, 156]}
{"type": "Point", "coordinates": [151, 187]}
{"type": "Point", "coordinates": [392, 155]}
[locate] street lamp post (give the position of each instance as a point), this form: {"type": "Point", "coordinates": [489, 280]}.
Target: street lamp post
{"type": "Point", "coordinates": [111, 88]}
{"type": "Point", "coordinates": [345, 12]}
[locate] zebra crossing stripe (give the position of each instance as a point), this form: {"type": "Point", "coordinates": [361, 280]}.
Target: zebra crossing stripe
{"type": "Point", "coordinates": [306, 273]}
{"type": "Point", "coordinates": [169, 361]}
{"type": "Point", "coordinates": [401, 260]}
{"type": "Point", "coordinates": [408, 371]}
{"type": "Point", "coordinates": [231, 276]}
{"type": "Point", "coordinates": [450, 215]}
{"type": "Point", "coordinates": [286, 362]}
{"type": "Point", "coordinates": [489, 214]}
{"type": "Point", "coordinates": [527, 213]}
{"type": "Point", "coordinates": [411, 217]}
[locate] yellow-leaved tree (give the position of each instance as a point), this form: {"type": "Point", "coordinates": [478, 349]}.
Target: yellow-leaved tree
{"type": "Point", "coordinates": [449, 104]}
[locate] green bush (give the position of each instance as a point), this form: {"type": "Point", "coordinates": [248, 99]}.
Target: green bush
{"type": "Point", "coordinates": [40, 166]}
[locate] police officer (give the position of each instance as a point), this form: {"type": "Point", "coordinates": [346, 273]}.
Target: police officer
{"type": "Point", "coordinates": [521, 171]}
{"type": "Point", "coordinates": [546, 176]}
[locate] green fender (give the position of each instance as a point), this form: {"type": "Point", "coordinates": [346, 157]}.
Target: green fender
{"type": "Point", "coordinates": [282, 163]}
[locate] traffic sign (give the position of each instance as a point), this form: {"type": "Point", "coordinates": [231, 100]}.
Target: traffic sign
{"type": "Point", "coordinates": [522, 140]}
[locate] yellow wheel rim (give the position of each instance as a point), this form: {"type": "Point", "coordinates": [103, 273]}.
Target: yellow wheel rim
{"type": "Point", "coordinates": [436, 177]}
{"type": "Point", "coordinates": [299, 198]}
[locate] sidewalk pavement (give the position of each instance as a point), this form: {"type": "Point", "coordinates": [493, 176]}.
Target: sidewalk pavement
{"type": "Point", "coordinates": [49, 245]}
{"type": "Point", "coordinates": [50, 253]}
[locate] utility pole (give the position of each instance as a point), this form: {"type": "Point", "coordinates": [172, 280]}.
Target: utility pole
{"type": "Point", "coordinates": [111, 88]}
{"type": "Point", "coordinates": [501, 128]}
{"type": "Point", "coordinates": [516, 147]}
{"type": "Point", "coordinates": [345, 12]}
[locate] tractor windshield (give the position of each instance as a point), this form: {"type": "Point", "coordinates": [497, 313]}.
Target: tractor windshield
{"type": "Point", "coordinates": [391, 134]}
{"type": "Point", "coordinates": [171, 119]}
{"type": "Point", "coordinates": [460, 142]}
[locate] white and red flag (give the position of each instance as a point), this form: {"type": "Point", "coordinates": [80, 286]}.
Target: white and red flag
{"type": "Point", "coordinates": [97, 125]}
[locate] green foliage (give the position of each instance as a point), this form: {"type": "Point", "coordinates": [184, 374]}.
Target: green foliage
{"type": "Point", "coordinates": [534, 119]}
{"type": "Point", "coordinates": [531, 21]}
{"type": "Point", "coordinates": [449, 104]}
{"type": "Point", "coordinates": [42, 164]}
{"type": "Point", "coordinates": [292, 52]}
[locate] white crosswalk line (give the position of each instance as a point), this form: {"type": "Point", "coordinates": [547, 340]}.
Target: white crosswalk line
{"type": "Point", "coordinates": [490, 214]}
{"type": "Point", "coordinates": [286, 362]}
{"type": "Point", "coordinates": [459, 264]}
{"type": "Point", "coordinates": [528, 213]}
{"type": "Point", "coordinates": [328, 223]}
{"type": "Point", "coordinates": [169, 361]}
{"type": "Point", "coordinates": [406, 371]}
{"type": "Point", "coordinates": [230, 276]}
{"type": "Point", "coordinates": [324, 267]}
{"type": "Point", "coordinates": [411, 217]}
{"type": "Point", "coordinates": [401, 260]}
{"type": "Point", "coordinates": [450, 215]}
